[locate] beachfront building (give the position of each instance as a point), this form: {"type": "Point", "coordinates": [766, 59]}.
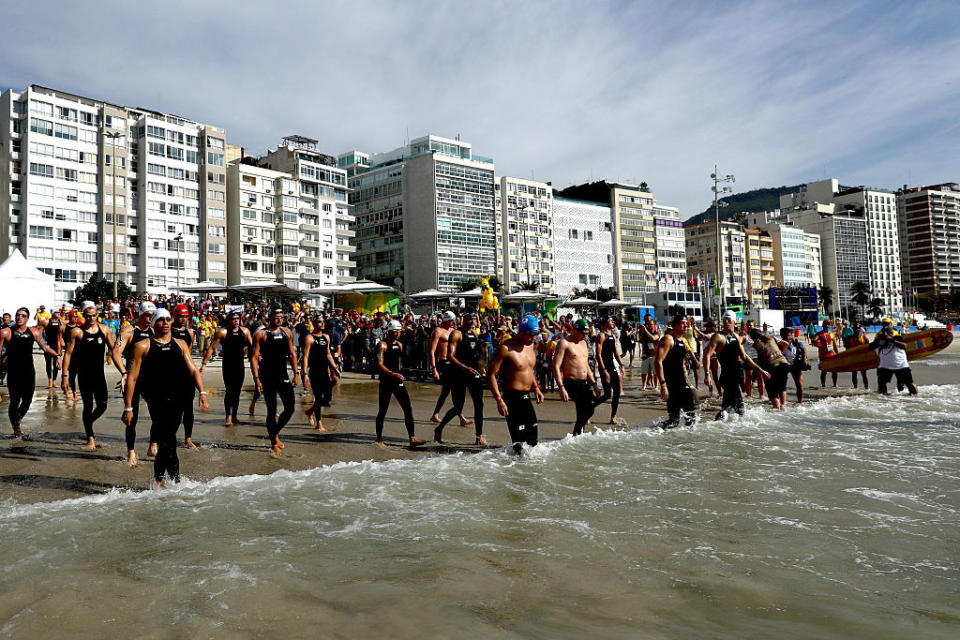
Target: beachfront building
{"type": "Point", "coordinates": [73, 167]}
{"type": "Point", "coordinates": [878, 210]}
{"type": "Point", "coordinates": [524, 233]}
{"type": "Point", "coordinates": [796, 258]}
{"type": "Point", "coordinates": [583, 245]}
{"type": "Point", "coordinates": [671, 249]}
{"type": "Point", "coordinates": [702, 263]}
{"type": "Point", "coordinates": [758, 266]}
{"type": "Point", "coordinates": [929, 219]}
{"type": "Point", "coordinates": [424, 214]}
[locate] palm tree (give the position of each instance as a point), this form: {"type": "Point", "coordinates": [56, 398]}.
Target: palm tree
{"type": "Point", "coordinates": [826, 298]}
{"type": "Point", "coordinates": [528, 286]}
{"type": "Point", "coordinates": [861, 294]}
{"type": "Point", "coordinates": [876, 307]}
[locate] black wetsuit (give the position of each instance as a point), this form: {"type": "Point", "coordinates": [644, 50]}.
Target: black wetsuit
{"type": "Point", "coordinates": [611, 388]}
{"type": "Point", "coordinates": [162, 372]}
{"type": "Point", "coordinates": [681, 402]}
{"type": "Point", "coordinates": [131, 430]}
{"type": "Point", "coordinates": [232, 368]}
{"type": "Point", "coordinates": [731, 377]}
{"type": "Point", "coordinates": [521, 419]}
{"type": "Point", "coordinates": [190, 392]}
{"type": "Point", "coordinates": [581, 393]}
{"type": "Point", "coordinates": [51, 333]}
{"type": "Point", "coordinates": [390, 386]}
{"type": "Point", "coordinates": [448, 379]}
{"type": "Point", "coordinates": [274, 354]}
{"type": "Point", "coordinates": [88, 354]}
{"type": "Point", "coordinates": [20, 374]}
{"type": "Point", "coordinates": [318, 368]}
{"type": "Point", "coordinates": [468, 353]}
{"type": "Point", "coordinates": [72, 372]}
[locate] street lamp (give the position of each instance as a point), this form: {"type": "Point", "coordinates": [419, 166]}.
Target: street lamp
{"type": "Point", "coordinates": [717, 190]}
{"type": "Point", "coordinates": [113, 135]}
{"type": "Point", "coordinates": [178, 239]}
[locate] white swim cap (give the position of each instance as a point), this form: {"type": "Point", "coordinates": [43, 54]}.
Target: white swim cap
{"type": "Point", "coordinates": [394, 325]}
{"type": "Point", "coordinates": [147, 307]}
{"type": "Point", "coordinates": [86, 304]}
{"type": "Point", "coordinates": [449, 315]}
{"type": "Point", "coordinates": [730, 315]}
{"type": "Point", "coordinates": [157, 315]}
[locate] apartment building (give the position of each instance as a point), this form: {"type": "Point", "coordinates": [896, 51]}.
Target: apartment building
{"type": "Point", "coordinates": [701, 250]}
{"type": "Point", "coordinates": [671, 249]}
{"type": "Point", "coordinates": [796, 260]}
{"type": "Point", "coordinates": [878, 208]}
{"type": "Point", "coordinates": [425, 214]}
{"type": "Point", "coordinates": [583, 245]}
{"type": "Point", "coordinates": [759, 265]}
{"type": "Point", "coordinates": [76, 168]}
{"type": "Point", "coordinates": [929, 219]}
{"type": "Point", "coordinates": [525, 242]}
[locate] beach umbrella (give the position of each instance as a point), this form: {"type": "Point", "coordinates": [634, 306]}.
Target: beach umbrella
{"type": "Point", "coordinates": [580, 302]}
{"type": "Point", "coordinates": [206, 286]}
{"type": "Point", "coordinates": [614, 304]}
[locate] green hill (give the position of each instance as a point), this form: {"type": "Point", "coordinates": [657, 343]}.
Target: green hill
{"type": "Point", "coordinates": [746, 202]}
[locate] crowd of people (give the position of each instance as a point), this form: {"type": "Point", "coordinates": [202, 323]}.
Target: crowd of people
{"type": "Point", "coordinates": [162, 346]}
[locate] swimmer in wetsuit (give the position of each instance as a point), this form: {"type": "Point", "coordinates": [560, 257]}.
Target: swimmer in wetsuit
{"type": "Point", "coordinates": [181, 331]}
{"type": "Point", "coordinates": [53, 333]}
{"type": "Point", "coordinates": [19, 340]}
{"type": "Point", "coordinates": [610, 367]}
{"type": "Point", "coordinates": [518, 360]}
{"type": "Point", "coordinates": [162, 369]}
{"type": "Point", "coordinates": [129, 337]}
{"type": "Point", "coordinates": [571, 369]}
{"type": "Point", "coordinates": [86, 348]}
{"type": "Point", "coordinates": [671, 370]}
{"type": "Point", "coordinates": [730, 357]}
{"type": "Point", "coordinates": [237, 343]}
{"type": "Point", "coordinates": [275, 346]}
{"type": "Point", "coordinates": [464, 354]}
{"type": "Point", "coordinates": [389, 354]}
{"type": "Point", "coordinates": [321, 372]}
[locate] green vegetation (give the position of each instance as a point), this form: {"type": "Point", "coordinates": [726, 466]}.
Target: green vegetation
{"type": "Point", "coordinates": [747, 202]}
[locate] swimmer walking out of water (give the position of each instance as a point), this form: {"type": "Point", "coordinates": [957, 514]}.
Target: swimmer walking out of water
{"type": "Point", "coordinates": [19, 340]}
{"type": "Point", "coordinates": [321, 372]}
{"type": "Point", "coordinates": [129, 337]}
{"type": "Point", "coordinates": [236, 343]}
{"type": "Point", "coordinates": [671, 370]}
{"type": "Point", "coordinates": [389, 354]}
{"type": "Point", "coordinates": [571, 369]}
{"type": "Point", "coordinates": [519, 361]}
{"type": "Point", "coordinates": [275, 346]}
{"type": "Point", "coordinates": [464, 354]}
{"type": "Point", "coordinates": [182, 331]}
{"type": "Point", "coordinates": [730, 358]}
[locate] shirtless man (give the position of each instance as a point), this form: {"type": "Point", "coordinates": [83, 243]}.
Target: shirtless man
{"type": "Point", "coordinates": [731, 357]}
{"type": "Point", "coordinates": [518, 360]}
{"type": "Point", "coordinates": [129, 337]}
{"type": "Point", "coordinates": [571, 369]}
{"type": "Point", "coordinates": [648, 336]}
{"type": "Point", "coordinates": [438, 359]}
{"type": "Point", "coordinates": [85, 350]}
{"type": "Point", "coordinates": [774, 363]}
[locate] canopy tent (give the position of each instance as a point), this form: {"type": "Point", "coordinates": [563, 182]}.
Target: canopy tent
{"type": "Point", "coordinates": [205, 286]}
{"type": "Point", "coordinates": [430, 294]}
{"type": "Point", "coordinates": [266, 287]}
{"type": "Point", "coordinates": [24, 286]}
{"type": "Point", "coordinates": [524, 296]}
{"type": "Point", "coordinates": [363, 295]}
{"type": "Point", "coordinates": [472, 293]}
{"type": "Point", "coordinates": [614, 304]}
{"type": "Point", "coordinates": [577, 303]}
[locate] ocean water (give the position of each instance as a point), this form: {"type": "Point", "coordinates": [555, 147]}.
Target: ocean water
{"type": "Point", "coordinates": [840, 519]}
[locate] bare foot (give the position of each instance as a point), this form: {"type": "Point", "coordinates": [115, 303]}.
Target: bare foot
{"type": "Point", "coordinates": [152, 450]}
{"type": "Point", "coordinates": [17, 432]}
{"type": "Point", "coordinates": [320, 427]}
{"type": "Point", "coordinates": [228, 422]}
{"type": "Point", "coordinates": [311, 419]}
{"type": "Point", "coordinates": [276, 451]}
{"type": "Point", "coordinates": [480, 441]}
{"type": "Point", "coordinates": [464, 422]}
{"type": "Point", "coordinates": [416, 443]}
{"type": "Point", "coordinates": [253, 407]}
{"type": "Point", "coordinates": [279, 444]}
{"type": "Point", "coordinates": [132, 459]}
{"type": "Point", "coordinates": [188, 442]}
{"type": "Point", "coordinates": [380, 443]}
{"type": "Point", "coordinates": [237, 422]}
{"type": "Point", "coordinates": [157, 484]}
{"type": "Point", "coordinates": [437, 435]}
{"type": "Point", "coordinates": [91, 445]}
{"type": "Point", "coordinates": [434, 418]}
{"type": "Point", "coordinates": [76, 396]}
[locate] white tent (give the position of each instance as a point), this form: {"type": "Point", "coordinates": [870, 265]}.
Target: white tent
{"type": "Point", "coordinates": [24, 286]}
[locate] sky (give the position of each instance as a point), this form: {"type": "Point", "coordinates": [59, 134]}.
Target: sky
{"type": "Point", "coordinates": [775, 93]}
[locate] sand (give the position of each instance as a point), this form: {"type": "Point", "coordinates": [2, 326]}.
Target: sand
{"type": "Point", "coordinates": [50, 462]}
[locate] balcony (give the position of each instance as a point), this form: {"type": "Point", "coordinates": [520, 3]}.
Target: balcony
{"type": "Point", "coordinates": [346, 233]}
{"type": "Point", "coordinates": [308, 227]}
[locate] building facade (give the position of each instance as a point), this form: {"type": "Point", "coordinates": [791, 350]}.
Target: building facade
{"type": "Point", "coordinates": [425, 214]}
{"type": "Point", "coordinates": [796, 253]}
{"type": "Point", "coordinates": [671, 249]}
{"type": "Point", "coordinates": [929, 219]}
{"type": "Point", "coordinates": [583, 245]}
{"type": "Point", "coordinates": [758, 265]}
{"type": "Point", "coordinates": [702, 263]}
{"type": "Point", "coordinates": [77, 168]}
{"type": "Point", "coordinates": [525, 243]}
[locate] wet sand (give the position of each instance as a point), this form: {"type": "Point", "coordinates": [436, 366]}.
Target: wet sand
{"type": "Point", "coordinates": [50, 462]}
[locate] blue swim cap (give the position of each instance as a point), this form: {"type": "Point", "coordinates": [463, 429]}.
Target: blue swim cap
{"type": "Point", "coordinates": [529, 323]}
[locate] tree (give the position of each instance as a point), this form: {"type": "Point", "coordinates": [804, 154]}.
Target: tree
{"type": "Point", "coordinates": [826, 298]}
{"type": "Point", "coordinates": [861, 294]}
{"type": "Point", "coordinates": [676, 310]}
{"type": "Point", "coordinates": [584, 293]}
{"type": "Point", "coordinates": [876, 307]}
{"type": "Point", "coordinates": [474, 283]}
{"type": "Point", "coordinates": [606, 293]}
{"type": "Point", "coordinates": [528, 286]}
{"type": "Point", "coordinates": [99, 289]}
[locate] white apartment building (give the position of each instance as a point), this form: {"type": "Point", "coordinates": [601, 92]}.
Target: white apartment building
{"type": "Point", "coordinates": [425, 214]}
{"type": "Point", "coordinates": [796, 253]}
{"type": "Point", "coordinates": [61, 156]}
{"type": "Point", "coordinates": [701, 247]}
{"type": "Point", "coordinates": [671, 249]}
{"type": "Point", "coordinates": [525, 243]}
{"type": "Point", "coordinates": [880, 214]}
{"type": "Point", "coordinates": [583, 245]}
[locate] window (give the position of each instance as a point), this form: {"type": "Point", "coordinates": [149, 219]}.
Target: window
{"type": "Point", "coordinates": [215, 143]}
{"type": "Point", "coordinates": [267, 267]}
{"type": "Point", "coordinates": [249, 266]}
{"type": "Point", "coordinates": [216, 196]}
{"type": "Point", "coordinates": [249, 214]}
{"type": "Point", "coordinates": [67, 174]}
{"type": "Point", "coordinates": [44, 233]}
{"type": "Point", "coordinates": [41, 149]}
{"type": "Point", "coordinates": [267, 217]}
{"type": "Point", "coordinates": [42, 170]}
{"type": "Point", "coordinates": [266, 252]}
{"type": "Point", "coordinates": [215, 213]}
{"type": "Point", "coordinates": [218, 178]}
{"type": "Point", "coordinates": [249, 250]}
{"type": "Point", "coordinates": [156, 132]}
{"type": "Point", "coordinates": [155, 149]}
{"type": "Point", "coordinates": [216, 248]}
{"type": "Point", "coordinates": [175, 153]}
{"type": "Point", "coordinates": [573, 234]}
{"type": "Point", "coordinates": [156, 169]}
{"type": "Point", "coordinates": [216, 159]}
{"type": "Point", "coordinates": [42, 108]}
{"type": "Point", "coordinates": [41, 126]}
{"type": "Point", "coordinates": [65, 132]}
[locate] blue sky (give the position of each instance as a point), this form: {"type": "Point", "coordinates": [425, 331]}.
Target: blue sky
{"type": "Point", "coordinates": [776, 93]}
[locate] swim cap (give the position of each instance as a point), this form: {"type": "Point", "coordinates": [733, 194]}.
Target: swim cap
{"type": "Point", "coordinates": [159, 314]}
{"type": "Point", "coordinates": [581, 325]}
{"type": "Point", "coordinates": [730, 315]}
{"type": "Point", "coordinates": [886, 321]}
{"type": "Point", "coordinates": [275, 311]}
{"type": "Point", "coordinates": [529, 324]}
{"type": "Point", "coordinates": [86, 304]}
{"type": "Point", "coordinates": [182, 310]}
{"type": "Point", "coordinates": [394, 325]}
{"type": "Point", "coordinates": [147, 307]}
{"type": "Point", "coordinates": [449, 315]}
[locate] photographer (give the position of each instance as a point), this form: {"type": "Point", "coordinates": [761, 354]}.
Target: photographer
{"type": "Point", "coordinates": [892, 352]}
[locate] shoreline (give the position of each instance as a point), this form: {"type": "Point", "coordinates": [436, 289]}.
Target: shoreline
{"type": "Point", "coordinates": [49, 463]}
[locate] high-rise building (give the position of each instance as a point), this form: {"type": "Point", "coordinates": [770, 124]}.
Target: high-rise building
{"type": "Point", "coordinates": [929, 219]}
{"type": "Point", "coordinates": [759, 265]}
{"type": "Point", "coordinates": [671, 249]}
{"type": "Point", "coordinates": [424, 214]}
{"type": "Point", "coordinates": [701, 249]}
{"type": "Point", "coordinates": [583, 245]}
{"type": "Point", "coordinates": [68, 160]}
{"type": "Point", "coordinates": [878, 208]}
{"type": "Point", "coordinates": [795, 259]}
{"type": "Point", "coordinates": [525, 243]}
